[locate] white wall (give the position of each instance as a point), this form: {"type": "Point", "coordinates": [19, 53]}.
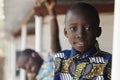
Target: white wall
{"type": "Point", "coordinates": [105, 39]}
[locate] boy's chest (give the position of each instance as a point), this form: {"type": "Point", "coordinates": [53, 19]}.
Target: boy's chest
{"type": "Point", "coordinates": [87, 68]}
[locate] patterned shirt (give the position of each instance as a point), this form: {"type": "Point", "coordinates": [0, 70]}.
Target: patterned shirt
{"type": "Point", "coordinates": [46, 71]}
{"type": "Point", "coordinates": [92, 65]}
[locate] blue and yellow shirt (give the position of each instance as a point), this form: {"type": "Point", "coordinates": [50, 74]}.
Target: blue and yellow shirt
{"type": "Point", "coordinates": [46, 71]}
{"type": "Point", "coordinates": [92, 65]}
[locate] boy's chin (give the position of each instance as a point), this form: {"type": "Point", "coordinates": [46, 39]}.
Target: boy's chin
{"type": "Point", "coordinates": [81, 49]}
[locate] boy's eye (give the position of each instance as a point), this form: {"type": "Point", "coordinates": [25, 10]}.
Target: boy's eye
{"type": "Point", "coordinates": [73, 28]}
{"type": "Point", "coordinates": [87, 28]}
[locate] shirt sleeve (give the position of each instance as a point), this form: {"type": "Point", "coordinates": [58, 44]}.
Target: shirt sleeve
{"type": "Point", "coordinates": [57, 63]}
{"type": "Point", "coordinates": [107, 71]}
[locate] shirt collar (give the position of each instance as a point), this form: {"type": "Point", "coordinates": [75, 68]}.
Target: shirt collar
{"type": "Point", "coordinates": [90, 52]}
{"type": "Point", "coordinates": [73, 52]}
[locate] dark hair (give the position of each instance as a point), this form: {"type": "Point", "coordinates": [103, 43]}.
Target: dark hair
{"type": "Point", "coordinates": [27, 52]}
{"type": "Point", "coordinates": [92, 11]}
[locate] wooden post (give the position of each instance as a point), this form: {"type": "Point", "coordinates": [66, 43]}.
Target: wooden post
{"type": "Point", "coordinates": [38, 29]}
{"type": "Point", "coordinates": [23, 46]}
{"type": "Point", "coordinates": [13, 59]}
{"type": "Point", "coordinates": [38, 34]}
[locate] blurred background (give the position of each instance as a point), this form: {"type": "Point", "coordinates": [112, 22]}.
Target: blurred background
{"type": "Point", "coordinates": [19, 30]}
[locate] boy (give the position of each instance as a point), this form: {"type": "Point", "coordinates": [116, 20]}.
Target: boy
{"type": "Point", "coordinates": [85, 61]}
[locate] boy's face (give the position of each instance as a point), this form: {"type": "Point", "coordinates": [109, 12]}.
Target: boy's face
{"type": "Point", "coordinates": [80, 30]}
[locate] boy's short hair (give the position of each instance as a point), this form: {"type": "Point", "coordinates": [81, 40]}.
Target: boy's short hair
{"type": "Point", "coordinates": [84, 7]}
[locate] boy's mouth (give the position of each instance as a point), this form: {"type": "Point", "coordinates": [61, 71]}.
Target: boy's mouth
{"type": "Point", "coordinates": [79, 44]}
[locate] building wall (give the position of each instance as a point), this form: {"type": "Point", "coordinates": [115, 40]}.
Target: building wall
{"type": "Point", "coordinates": [105, 40]}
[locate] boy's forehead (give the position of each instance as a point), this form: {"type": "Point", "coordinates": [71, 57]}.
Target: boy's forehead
{"type": "Point", "coordinates": [74, 14]}
{"type": "Point", "coordinates": [86, 12]}
{"type": "Point", "coordinates": [77, 16]}
{"type": "Point", "coordinates": [80, 14]}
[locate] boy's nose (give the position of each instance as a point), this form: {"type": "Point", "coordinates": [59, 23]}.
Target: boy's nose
{"type": "Point", "coordinates": [80, 33]}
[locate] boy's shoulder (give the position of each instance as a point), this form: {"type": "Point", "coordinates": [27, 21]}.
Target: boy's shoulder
{"type": "Point", "coordinates": [106, 55]}
{"type": "Point", "coordinates": [59, 57]}
{"type": "Point", "coordinates": [63, 54]}
{"type": "Point", "coordinates": [66, 53]}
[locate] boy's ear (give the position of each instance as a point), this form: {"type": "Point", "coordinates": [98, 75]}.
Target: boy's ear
{"type": "Point", "coordinates": [65, 32]}
{"type": "Point", "coordinates": [98, 31]}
